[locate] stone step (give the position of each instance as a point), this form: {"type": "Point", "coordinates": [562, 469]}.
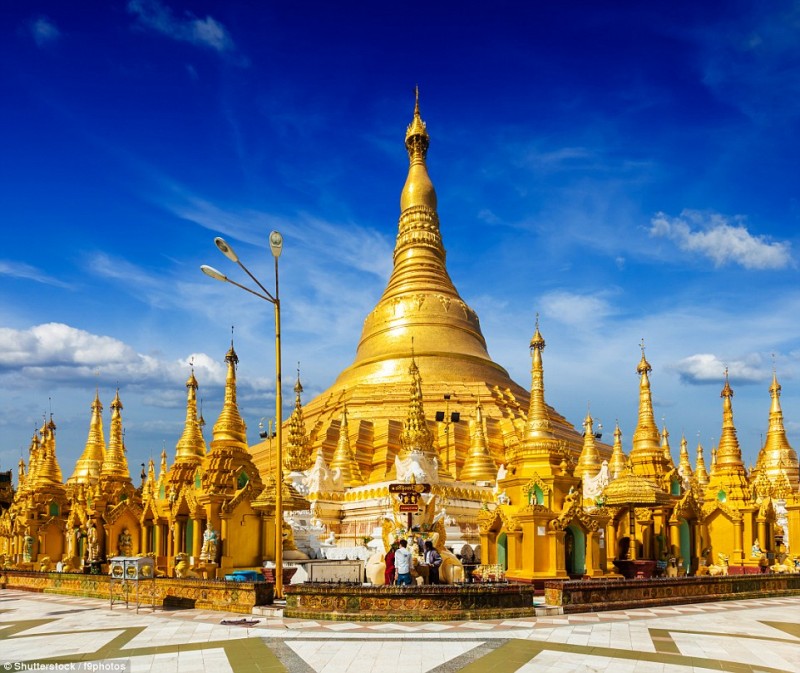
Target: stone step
{"type": "Point", "coordinates": [274, 611]}
{"type": "Point", "coordinates": [548, 610]}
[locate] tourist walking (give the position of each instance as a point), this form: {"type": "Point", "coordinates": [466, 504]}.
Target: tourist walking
{"type": "Point", "coordinates": [402, 563]}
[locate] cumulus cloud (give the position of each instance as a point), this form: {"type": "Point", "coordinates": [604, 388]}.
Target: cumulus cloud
{"type": "Point", "coordinates": [59, 353]}
{"type": "Point", "coordinates": [703, 368]}
{"type": "Point", "coordinates": [44, 31]}
{"type": "Point", "coordinates": [22, 270]}
{"type": "Point", "coordinates": [723, 240]}
{"type": "Point", "coordinates": [153, 15]}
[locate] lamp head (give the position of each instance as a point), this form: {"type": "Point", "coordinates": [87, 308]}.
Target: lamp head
{"type": "Point", "coordinates": [211, 271]}
{"type": "Point", "coordinates": [226, 250]}
{"type": "Point", "coordinates": [276, 243]}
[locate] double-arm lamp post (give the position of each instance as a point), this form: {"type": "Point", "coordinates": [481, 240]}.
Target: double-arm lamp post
{"type": "Point", "coordinates": [276, 245]}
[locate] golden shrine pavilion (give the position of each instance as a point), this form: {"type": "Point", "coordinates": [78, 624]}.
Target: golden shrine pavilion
{"type": "Point", "coordinates": [541, 498]}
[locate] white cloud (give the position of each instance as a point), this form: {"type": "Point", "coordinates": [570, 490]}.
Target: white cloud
{"type": "Point", "coordinates": [708, 368]}
{"type": "Point", "coordinates": [206, 32]}
{"type": "Point", "coordinates": [22, 270]}
{"type": "Point", "coordinates": [723, 240]}
{"type": "Point", "coordinates": [44, 31]}
{"type": "Point", "coordinates": [576, 310]}
{"type": "Point", "coordinates": [60, 354]}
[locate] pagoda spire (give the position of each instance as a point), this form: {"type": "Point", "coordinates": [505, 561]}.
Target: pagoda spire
{"type": "Point", "coordinates": [646, 457]}
{"type": "Point", "coordinates": [21, 476]}
{"type": "Point", "coordinates": [538, 425]}
{"type": "Point", "coordinates": [478, 465]}
{"type": "Point", "coordinates": [35, 453]}
{"type": "Point", "coordinates": [150, 482]}
{"type": "Point", "coordinates": [230, 430]}
{"type": "Point", "coordinates": [669, 464]}
{"type": "Point", "coordinates": [115, 464]}
{"type": "Point", "coordinates": [48, 471]}
{"type": "Point", "coordinates": [700, 472]}
{"type": "Point", "coordinates": [420, 299]}
{"type": "Point", "coordinates": [343, 458]}
{"type": "Point", "coordinates": [191, 447]}
{"type": "Point", "coordinates": [297, 455]}
{"type": "Point", "coordinates": [777, 457]}
{"type": "Point", "coordinates": [539, 451]}
{"type": "Point", "coordinates": [728, 480]}
{"type": "Point", "coordinates": [87, 467]}
{"type": "Point", "coordinates": [589, 460]}
{"type": "Point", "coordinates": [684, 463]}
{"type": "Point", "coordinates": [618, 461]}
{"type": "Point", "coordinates": [416, 433]}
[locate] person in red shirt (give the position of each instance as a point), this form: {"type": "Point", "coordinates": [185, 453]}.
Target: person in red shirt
{"type": "Point", "coordinates": [388, 576]}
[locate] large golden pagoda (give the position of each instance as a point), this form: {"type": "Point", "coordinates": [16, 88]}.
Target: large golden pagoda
{"type": "Point", "coordinates": [420, 305]}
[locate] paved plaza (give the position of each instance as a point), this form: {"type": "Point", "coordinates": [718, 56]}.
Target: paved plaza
{"type": "Point", "coordinates": [736, 636]}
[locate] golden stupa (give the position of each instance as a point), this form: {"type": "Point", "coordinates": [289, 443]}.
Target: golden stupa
{"type": "Point", "coordinates": [420, 309]}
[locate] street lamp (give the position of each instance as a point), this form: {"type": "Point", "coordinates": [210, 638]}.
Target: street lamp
{"type": "Point", "coordinates": [276, 246]}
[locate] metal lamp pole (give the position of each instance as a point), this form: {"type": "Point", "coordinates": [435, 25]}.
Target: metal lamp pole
{"type": "Point", "coordinates": [276, 246]}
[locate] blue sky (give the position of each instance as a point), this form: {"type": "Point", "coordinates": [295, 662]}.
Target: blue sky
{"type": "Point", "coordinates": [628, 173]}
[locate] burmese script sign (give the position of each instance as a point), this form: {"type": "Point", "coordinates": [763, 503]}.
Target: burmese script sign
{"type": "Point", "coordinates": [408, 495]}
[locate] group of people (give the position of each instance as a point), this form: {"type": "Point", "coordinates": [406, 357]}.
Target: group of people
{"type": "Point", "coordinates": [400, 562]}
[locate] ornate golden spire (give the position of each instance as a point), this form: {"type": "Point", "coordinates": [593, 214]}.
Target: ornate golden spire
{"type": "Point", "coordinates": [191, 447]}
{"type": "Point", "coordinates": [700, 472]}
{"type": "Point", "coordinates": [538, 425]}
{"type": "Point", "coordinates": [21, 476]}
{"type": "Point", "coordinates": [298, 449]}
{"type": "Point", "coordinates": [87, 468]}
{"type": "Point", "coordinates": [669, 464]}
{"type": "Point", "coordinates": [35, 453]}
{"type": "Point", "coordinates": [618, 461]}
{"type": "Point", "coordinates": [343, 458]}
{"type": "Point", "coordinates": [589, 461]}
{"type": "Point", "coordinates": [115, 464]}
{"type": "Point", "coordinates": [416, 433]}
{"type": "Point", "coordinates": [230, 430]}
{"type": "Point", "coordinates": [48, 472]}
{"type": "Point", "coordinates": [479, 465]}
{"type": "Point", "coordinates": [777, 457]}
{"type": "Point", "coordinates": [684, 463]}
{"type": "Point", "coordinates": [646, 455]}
{"type": "Point", "coordinates": [728, 474]}
{"type": "Point", "coordinates": [420, 300]}
{"type": "Point", "coordinates": [150, 483]}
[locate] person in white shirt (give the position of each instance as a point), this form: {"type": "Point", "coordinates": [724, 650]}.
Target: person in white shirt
{"type": "Point", "coordinates": [402, 564]}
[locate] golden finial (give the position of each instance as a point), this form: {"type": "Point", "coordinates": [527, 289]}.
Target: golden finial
{"type": "Point", "coordinates": [418, 190]}
{"type": "Point", "coordinates": [537, 341]}
{"type": "Point", "coordinates": [644, 365]}
{"type": "Point", "coordinates": [727, 391]}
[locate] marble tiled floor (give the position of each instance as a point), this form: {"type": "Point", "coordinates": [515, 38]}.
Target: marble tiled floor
{"type": "Point", "coordinates": [735, 636]}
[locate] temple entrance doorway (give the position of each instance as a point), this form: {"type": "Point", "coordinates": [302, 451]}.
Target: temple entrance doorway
{"type": "Point", "coordinates": [687, 545]}
{"type": "Point", "coordinates": [502, 551]}
{"type": "Point", "coordinates": [574, 550]}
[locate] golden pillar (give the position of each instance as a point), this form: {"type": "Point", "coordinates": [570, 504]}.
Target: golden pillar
{"type": "Point", "coordinates": [675, 538]}
{"type": "Point", "coordinates": [763, 538]}
{"type": "Point", "coordinates": [197, 538]}
{"type": "Point", "coordinates": [738, 543]}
